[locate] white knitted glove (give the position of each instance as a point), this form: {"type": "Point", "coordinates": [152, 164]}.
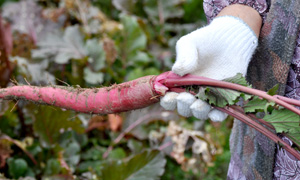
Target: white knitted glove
{"type": "Point", "coordinates": [218, 51]}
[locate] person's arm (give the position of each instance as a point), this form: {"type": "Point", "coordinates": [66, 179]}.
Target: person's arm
{"type": "Point", "coordinates": [246, 13]}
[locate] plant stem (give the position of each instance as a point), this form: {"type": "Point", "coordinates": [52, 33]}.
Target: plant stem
{"type": "Point", "coordinates": [288, 100]}
{"type": "Point", "coordinates": [128, 129]}
{"type": "Point", "coordinates": [17, 143]}
{"type": "Point", "coordinates": [252, 123]}
{"type": "Point", "coordinates": [175, 81]}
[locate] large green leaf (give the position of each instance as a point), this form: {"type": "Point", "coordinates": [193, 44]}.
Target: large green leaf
{"type": "Point", "coordinates": [52, 167]}
{"type": "Point", "coordinates": [255, 104]}
{"type": "Point", "coordinates": [94, 153]}
{"type": "Point", "coordinates": [134, 37]}
{"type": "Point", "coordinates": [191, 11]}
{"type": "Point", "coordinates": [9, 122]}
{"type": "Point", "coordinates": [93, 77]}
{"type": "Point", "coordinates": [140, 72]}
{"type": "Point", "coordinates": [34, 72]}
{"type": "Point", "coordinates": [72, 153]}
{"type": "Point", "coordinates": [94, 165]}
{"type": "Point", "coordinates": [62, 47]}
{"type": "Point", "coordinates": [117, 153]}
{"type": "Point", "coordinates": [96, 54]}
{"type": "Point", "coordinates": [17, 167]}
{"type": "Point", "coordinates": [50, 122]}
{"type": "Point", "coordinates": [135, 146]}
{"type": "Point", "coordinates": [222, 97]}
{"type": "Point", "coordinates": [145, 166]}
{"type": "Point", "coordinates": [238, 79]}
{"type": "Point", "coordinates": [285, 121]}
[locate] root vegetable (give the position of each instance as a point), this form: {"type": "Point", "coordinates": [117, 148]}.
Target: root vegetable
{"type": "Point", "coordinates": [127, 96]}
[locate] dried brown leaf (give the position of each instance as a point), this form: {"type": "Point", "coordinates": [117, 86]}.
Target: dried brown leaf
{"type": "Point", "coordinates": [97, 122]}
{"type": "Point", "coordinates": [115, 122]}
{"type": "Point", "coordinates": [5, 151]}
{"type": "Point", "coordinates": [20, 144]}
{"type": "Point", "coordinates": [110, 50]}
{"type": "Point", "coordinates": [53, 14]}
{"type": "Point", "coordinates": [111, 27]}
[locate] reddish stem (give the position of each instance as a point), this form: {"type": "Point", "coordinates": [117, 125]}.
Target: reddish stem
{"type": "Point", "coordinates": [175, 81]}
{"type": "Point", "coordinates": [128, 129]}
{"type": "Point", "coordinates": [261, 121]}
{"type": "Point", "coordinates": [22, 148]}
{"type": "Point", "coordinates": [288, 100]}
{"type": "Point", "coordinates": [244, 118]}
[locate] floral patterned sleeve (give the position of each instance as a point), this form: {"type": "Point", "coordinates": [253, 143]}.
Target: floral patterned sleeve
{"type": "Point", "coordinates": [213, 7]}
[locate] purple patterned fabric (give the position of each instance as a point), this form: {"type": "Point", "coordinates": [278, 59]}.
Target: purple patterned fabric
{"type": "Point", "coordinates": [213, 7]}
{"type": "Point", "coordinates": [293, 84]}
{"type": "Point", "coordinates": [286, 165]}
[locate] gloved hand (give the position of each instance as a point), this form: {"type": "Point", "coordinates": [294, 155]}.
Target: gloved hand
{"type": "Point", "coordinates": [218, 51]}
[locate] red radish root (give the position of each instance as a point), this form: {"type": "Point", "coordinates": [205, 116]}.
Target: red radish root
{"type": "Point", "coordinates": [127, 96]}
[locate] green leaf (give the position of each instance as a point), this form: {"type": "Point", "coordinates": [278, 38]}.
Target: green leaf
{"type": "Point", "coordinates": [191, 11]}
{"type": "Point", "coordinates": [285, 121]}
{"type": "Point", "coordinates": [169, 9]}
{"type": "Point", "coordinates": [94, 153]}
{"type": "Point", "coordinates": [96, 54]}
{"type": "Point", "coordinates": [50, 122]}
{"type": "Point", "coordinates": [71, 154]}
{"type": "Point", "coordinates": [273, 90]}
{"type": "Point", "coordinates": [238, 79]}
{"type": "Point", "coordinates": [34, 72]}
{"type": "Point", "coordinates": [9, 122]}
{"type": "Point", "coordinates": [52, 167]}
{"type": "Point", "coordinates": [93, 77]}
{"type": "Point", "coordinates": [147, 166]}
{"type": "Point", "coordinates": [61, 47]}
{"type": "Point", "coordinates": [241, 80]}
{"type": "Point", "coordinates": [221, 97]}
{"type": "Point", "coordinates": [134, 37]}
{"type": "Point", "coordinates": [90, 165]}
{"type": "Point", "coordinates": [256, 104]}
{"type": "Point", "coordinates": [117, 153]}
{"type": "Point", "coordinates": [134, 145]}
{"type": "Point", "coordinates": [140, 72]}
{"type": "Point", "coordinates": [269, 107]}
{"type": "Point", "coordinates": [140, 58]}
{"type": "Point", "coordinates": [17, 167]}
{"type": "Point", "coordinates": [34, 149]}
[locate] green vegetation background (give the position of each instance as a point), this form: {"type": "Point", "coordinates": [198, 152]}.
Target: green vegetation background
{"type": "Point", "coordinates": [93, 44]}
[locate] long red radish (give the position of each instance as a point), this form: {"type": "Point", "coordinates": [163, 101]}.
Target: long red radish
{"type": "Point", "coordinates": [127, 96]}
